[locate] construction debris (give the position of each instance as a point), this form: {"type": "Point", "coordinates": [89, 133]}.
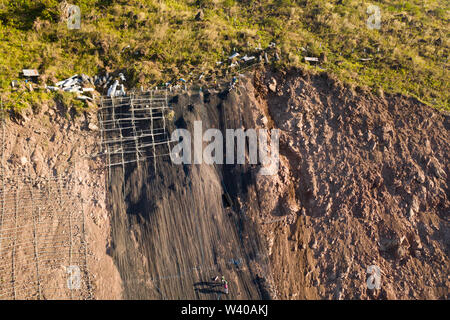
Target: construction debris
{"type": "Point", "coordinates": [52, 88]}
{"type": "Point", "coordinates": [30, 73]}
{"type": "Point", "coordinates": [77, 84]}
{"type": "Point", "coordinates": [246, 58]}
{"type": "Point", "coordinates": [114, 90]}
{"type": "Point", "coordinates": [74, 84]}
{"type": "Point", "coordinates": [312, 59]}
{"type": "Point", "coordinates": [84, 98]}
{"type": "Point", "coordinates": [114, 86]}
{"type": "Point", "coordinates": [234, 55]}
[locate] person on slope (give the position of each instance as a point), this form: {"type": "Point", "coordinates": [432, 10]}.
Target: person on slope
{"type": "Point", "coordinates": [225, 286]}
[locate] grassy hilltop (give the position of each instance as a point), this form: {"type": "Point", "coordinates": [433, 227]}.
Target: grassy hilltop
{"type": "Point", "coordinates": [156, 41]}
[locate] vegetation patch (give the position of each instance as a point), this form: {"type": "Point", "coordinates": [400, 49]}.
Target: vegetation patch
{"type": "Point", "coordinates": [158, 41]}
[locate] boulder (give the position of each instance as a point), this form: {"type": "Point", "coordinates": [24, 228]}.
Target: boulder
{"type": "Point", "coordinates": [273, 85]}
{"type": "Point", "coordinates": [92, 127]}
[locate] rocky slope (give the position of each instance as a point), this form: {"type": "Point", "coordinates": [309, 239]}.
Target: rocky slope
{"type": "Point", "coordinates": [369, 177]}
{"type": "Point", "coordinates": [363, 181]}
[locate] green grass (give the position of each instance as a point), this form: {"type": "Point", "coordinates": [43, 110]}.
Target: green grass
{"type": "Point", "coordinates": [409, 53]}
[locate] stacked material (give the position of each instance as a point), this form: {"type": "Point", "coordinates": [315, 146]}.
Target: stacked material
{"type": "Point", "coordinates": [236, 61]}
{"type": "Point", "coordinates": [77, 84]}
{"type": "Point", "coordinates": [81, 84]}
{"type": "Point", "coordinates": [115, 89]}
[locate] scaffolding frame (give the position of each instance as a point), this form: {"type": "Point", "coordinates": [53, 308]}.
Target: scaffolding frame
{"type": "Point", "coordinates": [134, 128]}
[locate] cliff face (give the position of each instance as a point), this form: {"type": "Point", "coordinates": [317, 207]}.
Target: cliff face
{"type": "Point", "coordinates": [371, 183]}
{"type": "Point", "coordinates": [363, 181]}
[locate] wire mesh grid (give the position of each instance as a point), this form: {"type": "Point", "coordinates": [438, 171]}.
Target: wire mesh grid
{"type": "Point", "coordinates": [43, 252]}
{"type": "Point", "coordinates": [134, 128]}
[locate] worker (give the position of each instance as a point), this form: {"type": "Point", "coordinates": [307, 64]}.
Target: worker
{"type": "Point", "coordinates": [233, 83]}
{"type": "Point", "coordinates": [225, 286]}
